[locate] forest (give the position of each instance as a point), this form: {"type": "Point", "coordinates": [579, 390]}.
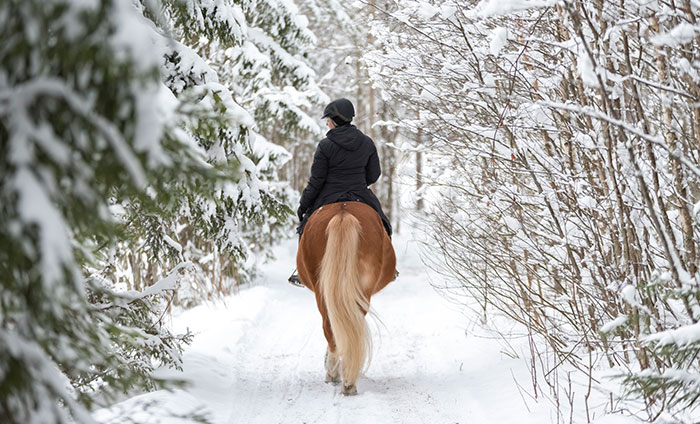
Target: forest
{"type": "Point", "coordinates": [545, 153]}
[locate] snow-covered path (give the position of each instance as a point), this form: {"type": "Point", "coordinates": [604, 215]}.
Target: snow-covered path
{"type": "Point", "coordinates": [258, 358]}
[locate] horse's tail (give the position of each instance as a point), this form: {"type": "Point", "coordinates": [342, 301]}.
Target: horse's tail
{"type": "Point", "coordinates": [341, 285]}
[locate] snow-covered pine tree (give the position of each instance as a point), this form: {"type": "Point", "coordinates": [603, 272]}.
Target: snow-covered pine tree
{"type": "Point", "coordinates": [281, 36]}
{"type": "Point", "coordinates": [270, 75]}
{"type": "Point", "coordinates": [267, 73]}
{"type": "Point", "coordinates": [326, 58]}
{"type": "Point", "coordinates": [113, 132]}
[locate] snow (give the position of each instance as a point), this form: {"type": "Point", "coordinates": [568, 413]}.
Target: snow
{"type": "Point", "coordinates": [586, 70]}
{"type": "Point", "coordinates": [218, 13]}
{"type": "Point", "coordinates": [587, 202]}
{"type": "Point", "coordinates": [426, 10]}
{"type": "Point", "coordinates": [155, 107]}
{"type": "Point", "coordinates": [681, 336]}
{"type": "Point", "coordinates": [612, 325]}
{"type": "Point", "coordinates": [257, 357]}
{"type": "Point", "coordinates": [134, 37]}
{"type": "Point", "coordinates": [175, 245]}
{"type": "Point", "coordinates": [685, 66]}
{"type": "Point", "coordinates": [630, 295]}
{"type": "Point", "coordinates": [681, 34]}
{"type": "Point", "coordinates": [673, 374]}
{"type": "Point", "coordinates": [300, 69]}
{"type": "Point", "coordinates": [447, 10]}
{"type": "Point", "coordinates": [35, 206]}
{"type": "Point", "coordinates": [512, 223]}
{"type": "Point", "coordinates": [170, 282]}
{"type": "Point", "coordinates": [499, 38]}
{"type": "Point", "coordinates": [489, 8]}
{"type": "Point", "coordinates": [234, 111]}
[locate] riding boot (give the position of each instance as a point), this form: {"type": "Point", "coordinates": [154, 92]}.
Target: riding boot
{"type": "Point", "coordinates": [294, 279]}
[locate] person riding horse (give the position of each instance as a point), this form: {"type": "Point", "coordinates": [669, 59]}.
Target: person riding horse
{"type": "Point", "coordinates": [345, 164]}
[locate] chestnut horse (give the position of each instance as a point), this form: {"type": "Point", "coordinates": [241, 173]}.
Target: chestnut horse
{"type": "Point", "coordinates": [345, 256]}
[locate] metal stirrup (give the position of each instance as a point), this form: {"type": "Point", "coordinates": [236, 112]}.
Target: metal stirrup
{"type": "Point", "coordinates": [294, 279]}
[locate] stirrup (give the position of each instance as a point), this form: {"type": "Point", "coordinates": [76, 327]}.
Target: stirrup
{"type": "Point", "coordinates": [294, 280]}
{"type": "Point", "coordinates": [396, 275]}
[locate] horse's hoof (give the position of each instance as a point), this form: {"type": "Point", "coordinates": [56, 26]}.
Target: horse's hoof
{"type": "Point", "coordinates": [332, 379]}
{"type": "Point", "coordinates": [350, 390]}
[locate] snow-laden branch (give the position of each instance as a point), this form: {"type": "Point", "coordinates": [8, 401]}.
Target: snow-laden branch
{"type": "Point", "coordinates": [594, 113]}
{"type": "Point", "coordinates": [22, 97]}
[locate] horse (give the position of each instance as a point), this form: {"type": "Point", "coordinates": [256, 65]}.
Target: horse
{"type": "Point", "coordinates": [345, 256]}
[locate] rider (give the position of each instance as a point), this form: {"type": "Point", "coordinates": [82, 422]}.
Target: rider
{"type": "Point", "coordinates": [345, 164]}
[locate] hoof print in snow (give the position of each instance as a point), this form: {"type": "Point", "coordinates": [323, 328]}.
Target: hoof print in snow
{"type": "Point", "coordinates": [349, 390]}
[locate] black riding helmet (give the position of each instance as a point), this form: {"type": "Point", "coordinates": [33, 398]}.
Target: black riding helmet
{"type": "Point", "coordinates": [339, 110]}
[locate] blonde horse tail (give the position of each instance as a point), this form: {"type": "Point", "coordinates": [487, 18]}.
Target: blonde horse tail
{"type": "Point", "coordinates": [341, 285]}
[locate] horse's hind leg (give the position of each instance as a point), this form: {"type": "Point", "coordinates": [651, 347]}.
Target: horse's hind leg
{"type": "Point", "coordinates": [349, 389]}
{"type": "Point", "coordinates": [333, 373]}
{"type": "Point", "coordinates": [332, 361]}
{"type": "Point", "coordinates": [332, 367]}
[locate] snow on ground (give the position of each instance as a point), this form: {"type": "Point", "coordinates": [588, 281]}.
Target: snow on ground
{"type": "Point", "coordinates": [257, 357]}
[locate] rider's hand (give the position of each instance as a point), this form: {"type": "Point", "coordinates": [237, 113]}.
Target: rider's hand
{"type": "Point", "coordinates": [300, 213]}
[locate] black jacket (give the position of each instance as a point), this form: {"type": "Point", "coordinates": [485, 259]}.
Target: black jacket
{"type": "Point", "coordinates": [345, 163]}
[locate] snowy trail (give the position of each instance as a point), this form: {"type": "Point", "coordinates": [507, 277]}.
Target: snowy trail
{"type": "Point", "coordinates": [258, 358]}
